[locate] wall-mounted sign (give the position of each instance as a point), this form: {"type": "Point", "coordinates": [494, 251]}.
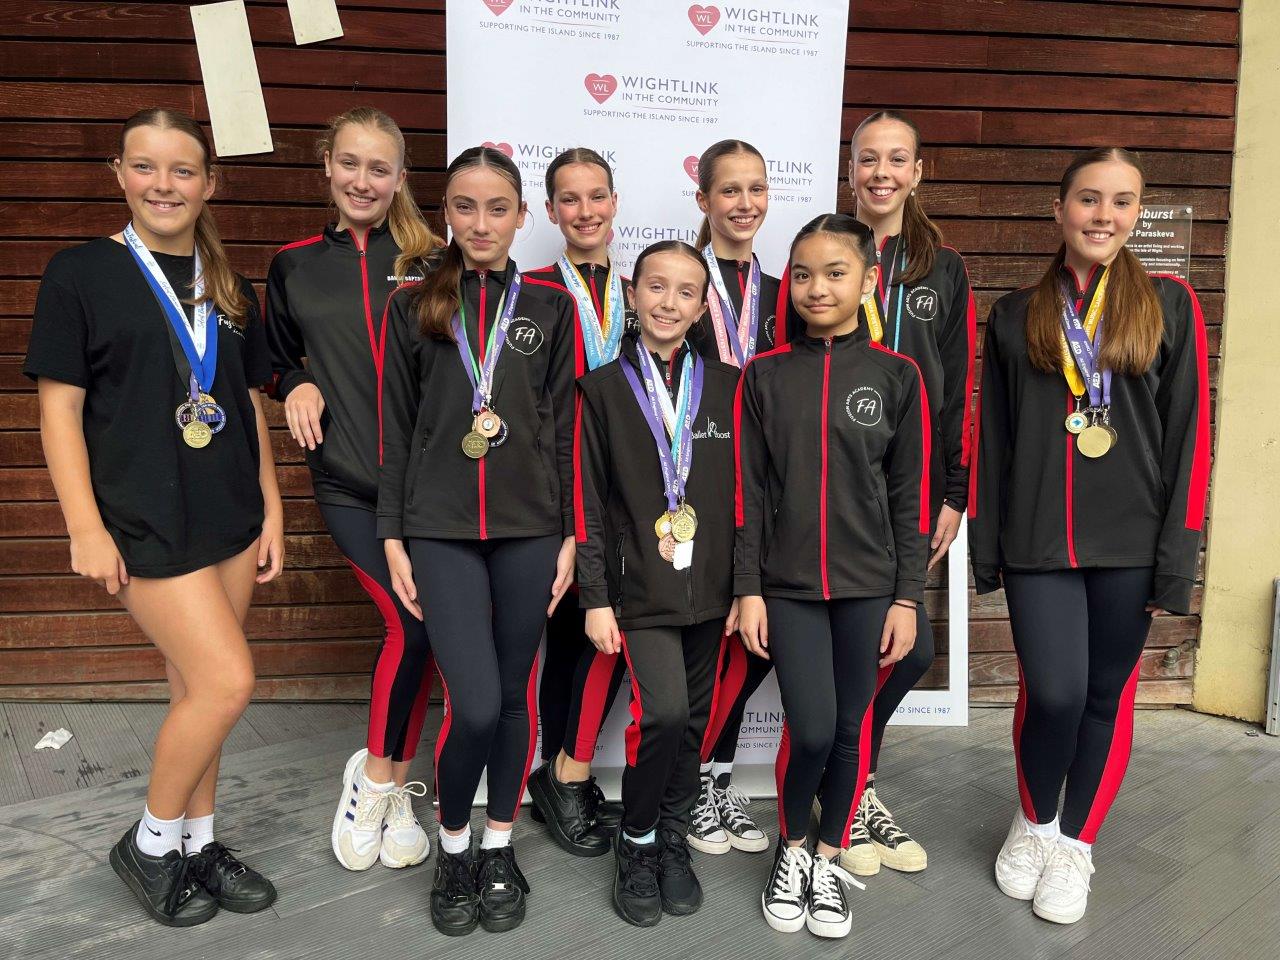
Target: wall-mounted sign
{"type": "Point", "coordinates": [1161, 239]}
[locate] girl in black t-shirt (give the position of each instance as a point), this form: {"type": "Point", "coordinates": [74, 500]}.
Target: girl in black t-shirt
{"type": "Point", "coordinates": [147, 347]}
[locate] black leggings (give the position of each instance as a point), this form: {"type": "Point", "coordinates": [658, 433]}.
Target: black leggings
{"type": "Point", "coordinates": [1079, 636]}
{"type": "Point", "coordinates": [900, 680]}
{"type": "Point", "coordinates": [403, 668]}
{"type": "Point", "coordinates": [579, 685]}
{"type": "Point", "coordinates": [485, 604]}
{"type": "Point", "coordinates": [673, 671]}
{"type": "Point", "coordinates": [827, 655]}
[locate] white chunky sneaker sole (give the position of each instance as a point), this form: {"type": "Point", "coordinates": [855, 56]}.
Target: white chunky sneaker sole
{"type": "Point", "coordinates": [344, 856]}
{"type": "Point", "coordinates": [783, 924]}
{"type": "Point", "coordinates": [833, 930]}
{"type": "Point", "coordinates": [710, 846]}
{"type": "Point", "coordinates": [862, 860]}
{"type": "Point", "coordinates": [908, 858]}
{"type": "Point", "coordinates": [749, 844]}
{"type": "Point", "coordinates": [1057, 915]}
{"type": "Point", "coordinates": [407, 858]}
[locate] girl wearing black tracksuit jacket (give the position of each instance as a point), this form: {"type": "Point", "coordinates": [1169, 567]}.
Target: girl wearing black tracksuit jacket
{"type": "Point", "coordinates": [922, 308]}
{"type": "Point", "coordinates": [833, 519]}
{"type": "Point", "coordinates": [1087, 506]}
{"type": "Point", "coordinates": [326, 302]}
{"type": "Point", "coordinates": [475, 503]}
{"type": "Point", "coordinates": [655, 535]}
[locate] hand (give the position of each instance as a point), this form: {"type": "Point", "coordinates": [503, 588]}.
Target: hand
{"type": "Point", "coordinates": [602, 630]}
{"type": "Point", "coordinates": [95, 555]}
{"type": "Point", "coordinates": [1156, 611]}
{"type": "Point", "coordinates": [271, 548]}
{"type": "Point", "coordinates": [731, 621]}
{"type": "Point", "coordinates": [401, 569]}
{"type": "Point", "coordinates": [753, 625]}
{"type": "Point", "coordinates": [564, 573]}
{"type": "Point", "coordinates": [302, 409]}
{"type": "Point", "coordinates": [899, 634]}
{"type": "Point", "coordinates": [948, 527]}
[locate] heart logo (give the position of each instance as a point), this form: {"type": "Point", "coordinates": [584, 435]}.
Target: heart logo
{"type": "Point", "coordinates": [499, 7]}
{"type": "Point", "coordinates": [704, 19]}
{"type": "Point", "coordinates": [691, 168]}
{"type": "Point", "coordinates": [503, 146]}
{"type": "Point", "coordinates": [600, 86]}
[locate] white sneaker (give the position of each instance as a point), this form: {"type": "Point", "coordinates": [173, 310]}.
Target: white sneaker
{"type": "Point", "coordinates": [828, 914]}
{"type": "Point", "coordinates": [705, 831]}
{"type": "Point", "coordinates": [357, 826]}
{"type": "Point", "coordinates": [1022, 860]}
{"type": "Point", "coordinates": [404, 842]}
{"type": "Point", "coordinates": [785, 899]}
{"type": "Point", "coordinates": [741, 830]}
{"type": "Point", "coordinates": [861, 858]}
{"type": "Point", "coordinates": [894, 845]}
{"type": "Point", "coordinates": [1063, 892]}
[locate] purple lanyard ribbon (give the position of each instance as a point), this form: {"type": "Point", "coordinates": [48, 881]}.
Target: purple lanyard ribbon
{"type": "Point", "coordinates": [1085, 352]}
{"type": "Point", "coordinates": [676, 457]}
{"type": "Point", "coordinates": [482, 378]}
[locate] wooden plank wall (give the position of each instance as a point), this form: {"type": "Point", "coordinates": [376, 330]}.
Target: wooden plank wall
{"type": "Point", "coordinates": [1001, 88]}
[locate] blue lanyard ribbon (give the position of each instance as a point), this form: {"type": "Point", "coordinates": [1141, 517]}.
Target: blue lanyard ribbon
{"type": "Point", "coordinates": [481, 377]}
{"type": "Point", "coordinates": [1085, 351]}
{"type": "Point", "coordinates": [674, 443]}
{"type": "Point", "coordinates": [601, 336]}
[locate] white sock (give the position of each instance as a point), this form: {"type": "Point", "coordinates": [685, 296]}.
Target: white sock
{"type": "Point", "coordinates": [196, 832]}
{"type": "Point", "coordinates": [495, 838]}
{"type": "Point", "coordinates": [1076, 843]}
{"type": "Point", "coordinates": [643, 839]}
{"type": "Point", "coordinates": [704, 770]}
{"type": "Point", "coordinates": [156, 837]}
{"type": "Point", "coordinates": [367, 784]}
{"type": "Point", "coordinates": [1048, 831]}
{"type": "Point", "coordinates": [719, 770]}
{"type": "Point", "coordinates": [456, 843]}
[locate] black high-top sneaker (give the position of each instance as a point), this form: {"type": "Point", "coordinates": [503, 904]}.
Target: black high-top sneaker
{"type": "Point", "coordinates": [896, 848]}
{"type": "Point", "coordinates": [785, 897]}
{"type": "Point", "coordinates": [165, 886]}
{"type": "Point", "coordinates": [502, 889]}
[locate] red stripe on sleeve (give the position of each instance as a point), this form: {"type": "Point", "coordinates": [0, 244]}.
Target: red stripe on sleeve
{"type": "Point", "coordinates": [579, 514]}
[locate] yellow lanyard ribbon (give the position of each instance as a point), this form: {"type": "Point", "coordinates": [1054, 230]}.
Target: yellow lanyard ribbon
{"type": "Point", "coordinates": [1091, 319]}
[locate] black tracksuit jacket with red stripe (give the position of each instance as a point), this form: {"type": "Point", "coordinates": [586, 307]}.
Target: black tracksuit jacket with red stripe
{"type": "Point", "coordinates": [772, 306]}
{"type": "Point", "coordinates": [833, 495]}
{"type": "Point", "coordinates": [325, 301]}
{"type": "Point", "coordinates": [621, 497]}
{"type": "Point", "coordinates": [1037, 504]}
{"type": "Point", "coordinates": [523, 488]}
{"type": "Point", "coordinates": [596, 279]}
{"type": "Point", "coordinates": [934, 322]}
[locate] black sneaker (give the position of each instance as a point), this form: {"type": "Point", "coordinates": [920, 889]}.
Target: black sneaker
{"type": "Point", "coordinates": [165, 886]}
{"type": "Point", "coordinates": [236, 887]}
{"type": "Point", "coordinates": [636, 897]}
{"type": "Point", "coordinates": [608, 813]}
{"type": "Point", "coordinates": [894, 845]}
{"type": "Point", "coordinates": [569, 812]}
{"type": "Point", "coordinates": [681, 892]}
{"type": "Point", "coordinates": [827, 910]}
{"type": "Point", "coordinates": [786, 895]}
{"type": "Point", "coordinates": [455, 906]}
{"type": "Point", "coordinates": [502, 889]}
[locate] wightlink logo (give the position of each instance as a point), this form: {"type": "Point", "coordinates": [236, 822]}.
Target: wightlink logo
{"type": "Point", "coordinates": [536, 157]}
{"type": "Point", "coordinates": [755, 23]}
{"type": "Point", "coordinates": [650, 90]}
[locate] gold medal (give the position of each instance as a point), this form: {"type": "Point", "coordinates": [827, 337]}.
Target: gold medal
{"type": "Point", "coordinates": [475, 445]}
{"type": "Point", "coordinates": [667, 548]}
{"type": "Point", "coordinates": [684, 523]}
{"type": "Point", "coordinates": [662, 526]}
{"type": "Point", "coordinates": [1077, 422]}
{"type": "Point", "coordinates": [1095, 441]}
{"type": "Point", "coordinates": [196, 434]}
{"type": "Point", "coordinates": [487, 424]}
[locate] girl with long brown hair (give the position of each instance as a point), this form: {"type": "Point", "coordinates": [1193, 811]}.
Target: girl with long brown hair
{"type": "Point", "coordinates": [1094, 385]}
{"type": "Point", "coordinates": [475, 505]}
{"type": "Point", "coordinates": [326, 309]}
{"type": "Point", "coordinates": [148, 350]}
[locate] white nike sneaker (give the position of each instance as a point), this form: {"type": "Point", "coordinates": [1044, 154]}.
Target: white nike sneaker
{"type": "Point", "coordinates": [1022, 860]}
{"type": "Point", "coordinates": [1063, 892]}
{"type": "Point", "coordinates": [357, 826]}
{"type": "Point", "coordinates": [404, 842]}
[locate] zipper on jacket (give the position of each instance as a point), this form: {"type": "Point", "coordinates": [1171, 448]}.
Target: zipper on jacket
{"type": "Point", "coordinates": [822, 497]}
{"type": "Point", "coordinates": [484, 275]}
{"type": "Point", "coordinates": [1070, 493]}
{"type": "Point", "coordinates": [595, 296]}
{"type": "Point", "coordinates": [622, 571]}
{"type": "Point", "coordinates": [374, 347]}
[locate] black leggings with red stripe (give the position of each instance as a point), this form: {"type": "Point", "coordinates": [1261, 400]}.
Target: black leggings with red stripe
{"type": "Point", "coordinates": [827, 655]}
{"type": "Point", "coordinates": [1079, 635]}
{"type": "Point", "coordinates": [485, 606]}
{"type": "Point", "coordinates": [403, 668]}
{"type": "Point", "coordinates": [579, 685]}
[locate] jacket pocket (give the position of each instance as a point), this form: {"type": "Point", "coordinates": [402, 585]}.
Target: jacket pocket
{"type": "Point", "coordinates": [620, 555]}
{"type": "Point", "coordinates": [417, 463]}
{"type": "Point", "coordinates": [886, 527]}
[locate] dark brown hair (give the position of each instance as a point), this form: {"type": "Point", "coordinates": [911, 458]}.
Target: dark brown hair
{"type": "Point", "coordinates": [576, 155]}
{"type": "Point", "coordinates": [707, 176]}
{"type": "Point", "coordinates": [413, 236]}
{"type": "Point", "coordinates": [436, 298]}
{"type": "Point", "coordinates": [221, 285]}
{"type": "Point", "coordinates": [671, 246]}
{"type": "Point", "coordinates": [1135, 319]}
{"type": "Point", "coordinates": [852, 231]}
{"type": "Point", "coordinates": [920, 234]}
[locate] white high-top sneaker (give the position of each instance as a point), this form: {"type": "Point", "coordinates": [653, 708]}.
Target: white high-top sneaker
{"type": "Point", "coordinates": [1022, 860]}
{"type": "Point", "coordinates": [1063, 892]}
{"type": "Point", "coordinates": [404, 842]}
{"type": "Point", "coordinates": [357, 826]}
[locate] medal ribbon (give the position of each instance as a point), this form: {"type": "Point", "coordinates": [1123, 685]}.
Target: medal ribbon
{"type": "Point", "coordinates": [1081, 342]}
{"type": "Point", "coordinates": [875, 311]}
{"type": "Point", "coordinates": [481, 375]}
{"type": "Point", "coordinates": [200, 340]}
{"type": "Point", "coordinates": [739, 346]}
{"type": "Point", "coordinates": [674, 455]}
{"type": "Point", "coordinates": [601, 336]}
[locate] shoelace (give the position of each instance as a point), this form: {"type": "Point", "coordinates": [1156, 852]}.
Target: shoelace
{"type": "Point", "coordinates": [732, 803]}
{"type": "Point", "coordinates": [592, 800]}
{"type": "Point", "coordinates": [1029, 853]}
{"type": "Point", "coordinates": [184, 883]}
{"type": "Point", "coordinates": [858, 833]}
{"type": "Point", "coordinates": [1067, 869]}
{"type": "Point", "coordinates": [881, 820]}
{"type": "Point", "coordinates": [371, 809]}
{"type": "Point", "coordinates": [825, 884]}
{"type": "Point", "coordinates": [705, 815]}
{"type": "Point", "coordinates": [675, 854]}
{"type": "Point", "coordinates": [642, 878]}
{"type": "Point", "coordinates": [399, 815]}
{"type": "Point", "coordinates": [497, 869]}
{"type": "Point", "coordinates": [787, 884]}
{"type": "Point", "coordinates": [461, 879]}
{"type": "Point", "coordinates": [221, 855]}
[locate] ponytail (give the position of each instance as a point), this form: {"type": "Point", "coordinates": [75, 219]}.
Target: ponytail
{"type": "Point", "coordinates": [704, 234]}
{"type": "Point", "coordinates": [1135, 318]}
